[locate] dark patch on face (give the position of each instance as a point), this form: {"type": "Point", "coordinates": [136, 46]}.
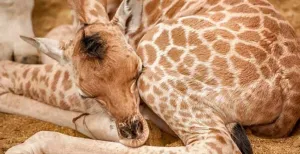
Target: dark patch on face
{"type": "Point", "coordinates": [94, 46]}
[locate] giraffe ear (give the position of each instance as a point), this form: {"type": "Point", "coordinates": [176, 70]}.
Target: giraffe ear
{"type": "Point", "coordinates": [51, 48]}
{"type": "Point", "coordinates": [89, 11]}
{"type": "Point", "coordinates": [129, 14]}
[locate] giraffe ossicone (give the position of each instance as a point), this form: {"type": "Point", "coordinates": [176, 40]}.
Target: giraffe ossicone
{"type": "Point", "coordinates": [51, 48]}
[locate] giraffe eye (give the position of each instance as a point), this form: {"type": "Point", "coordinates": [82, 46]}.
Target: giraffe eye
{"type": "Point", "coordinates": [93, 46]}
{"type": "Point", "coordinates": [83, 96]}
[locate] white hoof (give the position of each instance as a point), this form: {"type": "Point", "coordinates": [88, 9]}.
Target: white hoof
{"type": "Point", "coordinates": [21, 149]}
{"type": "Point", "coordinates": [36, 144]}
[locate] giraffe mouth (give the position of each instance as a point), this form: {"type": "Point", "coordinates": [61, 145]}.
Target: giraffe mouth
{"type": "Point", "coordinates": [134, 132]}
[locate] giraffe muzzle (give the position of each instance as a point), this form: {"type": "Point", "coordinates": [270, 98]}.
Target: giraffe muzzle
{"type": "Point", "coordinates": [134, 132]}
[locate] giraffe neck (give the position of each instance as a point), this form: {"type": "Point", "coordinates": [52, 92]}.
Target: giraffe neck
{"type": "Point", "coordinates": [51, 84]}
{"type": "Point", "coordinates": [158, 11]}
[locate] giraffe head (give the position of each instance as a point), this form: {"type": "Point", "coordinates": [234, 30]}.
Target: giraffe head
{"type": "Point", "coordinates": [104, 66]}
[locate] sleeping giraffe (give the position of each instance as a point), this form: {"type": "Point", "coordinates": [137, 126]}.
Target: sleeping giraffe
{"type": "Point", "coordinates": [246, 72]}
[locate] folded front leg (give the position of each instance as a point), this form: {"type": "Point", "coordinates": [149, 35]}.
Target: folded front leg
{"type": "Point", "coordinates": [98, 126]}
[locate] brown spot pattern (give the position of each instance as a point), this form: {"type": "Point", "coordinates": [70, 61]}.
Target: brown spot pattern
{"type": "Point", "coordinates": [35, 73]}
{"type": "Point", "coordinates": [271, 24]}
{"type": "Point", "coordinates": [220, 68]}
{"type": "Point", "coordinates": [250, 36]}
{"type": "Point", "coordinates": [249, 22]}
{"type": "Point", "coordinates": [151, 54]}
{"type": "Point", "coordinates": [202, 52]}
{"type": "Point", "coordinates": [178, 36]}
{"type": "Point", "coordinates": [48, 68]}
{"type": "Point", "coordinates": [217, 17]}
{"type": "Point", "coordinates": [55, 80]}
{"type": "Point", "coordinates": [259, 2]}
{"type": "Point", "coordinates": [232, 2]}
{"type": "Point", "coordinates": [201, 73]}
{"type": "Point", "coordinates": [165, 63]}
{"type": "Point", "coordinates": [197, 23]}
{"type": "Point", "coordinates": [175, 8]}
{"type": "Point", "coordinates": [244, 8]}
{"type": "Point", "coordinates": [266, 72]}
{"type": "Point", "coordinates": [287, 31]}
{"type": "Point", "coordinates": [271, 12]}
{"type": "Point", "coordinates": [248, 50]}
{"type": "Point", "coordinates": [25, 73]}
{"type": "Point", "coordinates": [175, 54]}
{"type": "Point", "coordinates": [221, 47]}
{"type": "Point", "coordinates": [183, 70]}
{"type": "Point", "coordinates": [66, 82]}
{"type": "Point", "coordinates": [163, 40]}
{"type": "Point", "coordinates": [248, 72]}
{"type": "Point", "coordinates": [212, 35]}
{"type": "Point", "coordinates": [290, 61]}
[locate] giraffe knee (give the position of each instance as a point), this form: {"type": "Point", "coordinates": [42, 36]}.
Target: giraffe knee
{"type": "Point", "coordinates": [270, 131]}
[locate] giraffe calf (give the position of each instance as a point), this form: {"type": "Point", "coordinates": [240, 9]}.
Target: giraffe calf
{"type": "Point", "coordinates": [73, 59]}
{"type": "Point", "coordinates": [48, 93]}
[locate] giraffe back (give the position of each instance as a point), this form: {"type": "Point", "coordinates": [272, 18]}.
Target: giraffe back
{"type": "Point", "coordinates": [237, 56]}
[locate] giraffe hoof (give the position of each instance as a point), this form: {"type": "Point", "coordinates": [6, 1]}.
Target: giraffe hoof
{"type": "Point", "coordinates": [34, 144]}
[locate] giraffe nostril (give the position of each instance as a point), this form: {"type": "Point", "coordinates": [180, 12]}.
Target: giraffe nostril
{"type": "Point", "coordinates": [125, 132]}
{"type": "Point", "coordinates": [137, 127]}
{"type": "Point", "coordinates": [131, 131]}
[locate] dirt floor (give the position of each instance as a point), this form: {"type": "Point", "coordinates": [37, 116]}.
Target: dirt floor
{"type": "Point", "coordinates": [51, 13]}
{"type": "Point", "coordinates": [16, 129]}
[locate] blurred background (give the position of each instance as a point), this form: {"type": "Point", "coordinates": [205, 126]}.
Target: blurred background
{"type": "Point", "coordinates": [48, 14]}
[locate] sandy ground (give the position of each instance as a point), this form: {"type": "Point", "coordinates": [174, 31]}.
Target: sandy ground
{"type": "Point", "coordinates": [16, 129]}
{"type": "Point", "coordinates": [51, 13]}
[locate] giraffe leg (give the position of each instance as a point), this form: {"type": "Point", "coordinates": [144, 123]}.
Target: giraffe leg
{"type": "Point", "coordinates": [282, 127]}
{"type": "Point", "coordinates": [284, 124]}
{"type": "Point", "coordinates": [99, 126]}
{"type": "Point", "coordinates": [154, 118]}
{"type": "Point", "coordinates": [53, 142]}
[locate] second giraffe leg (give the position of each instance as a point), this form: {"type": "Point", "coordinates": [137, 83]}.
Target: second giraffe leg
{"type": "Point", "coordinates": [290, 112]}
{"type": "Point", "coordinates": [284, 124]}
{"type": "Point", "coordinates": [99, 126]}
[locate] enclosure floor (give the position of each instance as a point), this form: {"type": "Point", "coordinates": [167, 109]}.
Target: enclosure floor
{"type": "Point", "coordinates": [16, 129]}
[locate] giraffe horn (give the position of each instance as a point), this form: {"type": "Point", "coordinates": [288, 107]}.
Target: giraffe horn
{"type": "Point", "coordinates": [47, 46]}
{"type": "Point", "coordinates": [129, 13]}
